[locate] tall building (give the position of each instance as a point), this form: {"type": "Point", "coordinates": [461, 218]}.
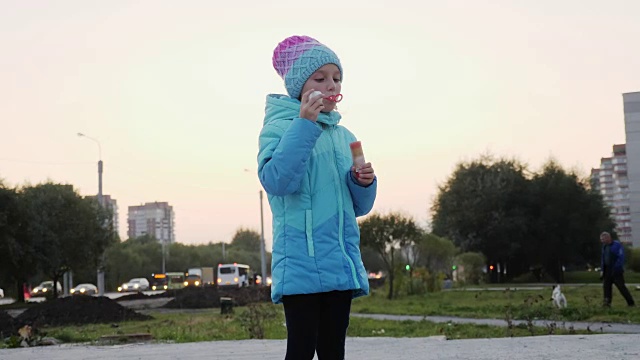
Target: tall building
{"type": "Point", "coordinates": [631, 102]}
{"type": "Point", "coordinates": [111, 204]}
{"type": "Point", "coordinates": [155, 219]}
{"type": "Point", "coordinates": [612, 182]}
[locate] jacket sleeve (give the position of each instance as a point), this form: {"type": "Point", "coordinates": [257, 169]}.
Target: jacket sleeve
{"type": "Point", "coordinates": [618, 266]}
{"type": "Point", "coordinates": [363, 196]}
{"type": "Point", "coordinates": [283, 155]}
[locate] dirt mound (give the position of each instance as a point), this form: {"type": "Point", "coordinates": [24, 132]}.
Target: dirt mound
{"type": "Point", "coordinates": [8, 325]}
{"type": "Point", "coordinates": [142, 296]}
{"type": "Point", "coordinates": [78, 310]}
{"type": "Point", "coordinates": [209, 297]}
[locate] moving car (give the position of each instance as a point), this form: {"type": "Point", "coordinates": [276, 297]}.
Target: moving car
{"type": "Point", "coordinates": [46, 287]}
{"type": "Point", "coordinates": [84, 289]}
{"type": "Point", "coordinates": [192, 280]}
{"type": "Point", "coordinates": [135, 284]}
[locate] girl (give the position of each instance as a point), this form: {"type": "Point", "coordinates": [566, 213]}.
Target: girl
{"type": "Point", "coordinates": [315, 194]}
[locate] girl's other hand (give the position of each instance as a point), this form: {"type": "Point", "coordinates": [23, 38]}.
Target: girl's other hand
{"type": "Point", "coordinates": [364, 175]}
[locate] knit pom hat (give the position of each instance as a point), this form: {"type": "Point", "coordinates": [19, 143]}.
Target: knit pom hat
{"type": "Point", "coordinates": [297, 57]}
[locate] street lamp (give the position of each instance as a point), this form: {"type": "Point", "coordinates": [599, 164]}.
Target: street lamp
{"type": "Point", "coordinates": [99, 166]}
{"type": "Point", "coordinates": [100, 272]}
{"type": "Point", "coordinates": [263, 260]}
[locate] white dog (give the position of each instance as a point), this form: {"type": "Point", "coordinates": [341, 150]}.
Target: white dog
{"type": "Point", "coordinates": [558, 298]}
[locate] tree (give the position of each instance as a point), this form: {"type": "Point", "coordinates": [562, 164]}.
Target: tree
{"type": "Point", "coordinates": [247, 240]}
{"type": "Point", "coordinates": [67, 231]}
{"type": "Point", "coordinates": [436, 253]}
{"type": "Point", "coordinates": [484, 206]}
{"type": "Point", "coordinates": [471, 265]}
{"type": "Point", "coordinates": [17, 251]}
{"type": "Point", "coordinates": [569, 218]}
{"type": "Point", "coordinates": [387, 235]}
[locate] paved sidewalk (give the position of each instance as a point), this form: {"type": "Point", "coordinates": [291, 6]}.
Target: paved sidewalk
{"type": "Point", "coordinates": [596, 326]}
{"type": "Point", "coordinates": [573, 347]}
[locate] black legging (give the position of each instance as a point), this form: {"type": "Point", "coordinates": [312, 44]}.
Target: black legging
{"type": "Point", "coordinates": [317, 322]}
{"type": "Point", "coordinates": [610, 278]}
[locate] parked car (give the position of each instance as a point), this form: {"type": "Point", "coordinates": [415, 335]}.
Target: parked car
{"type": "Point", "coordinates": [84, 289]}
{"type": "Point", "coordinates": [45, 288]}
{"type": "Point", "coordinates": [136, 284]}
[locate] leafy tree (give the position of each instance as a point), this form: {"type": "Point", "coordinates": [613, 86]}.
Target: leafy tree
{"type": "Point", "coordinates": [436, 253]}
{"type": "Point", "coordinates": [484, 206]}
{"type": "Point", "coordinates": [247, 240]}
{"type": "Point", "coordinates": [17, 251]}
{"type": "Point", "coordinates": [371, 259]}
{"type": "Point", "coordinates": [67, 231]}
{"type": "Point", "coordinates": [470, 265]}
{"type": "Point", "coordinates": [568, 220]}
{"type": "Point", "coordinates": [387, 235]}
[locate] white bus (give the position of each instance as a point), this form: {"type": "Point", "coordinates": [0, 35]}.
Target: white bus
{"type": "Point", "coordinates": [233, 275]}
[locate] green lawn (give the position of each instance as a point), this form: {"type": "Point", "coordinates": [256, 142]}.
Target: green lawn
{"type": "Point", "coordinates": [584, 304]}
{"type": "Point", "coordinates": [210, 325]}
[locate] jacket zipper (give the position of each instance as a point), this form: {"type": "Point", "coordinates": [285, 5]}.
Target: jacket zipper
{"type": "Point", "coordinates": [336, 174]}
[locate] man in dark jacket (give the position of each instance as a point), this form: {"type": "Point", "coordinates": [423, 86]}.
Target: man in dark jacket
{"type": "Point", "coordinates": [613, 269]}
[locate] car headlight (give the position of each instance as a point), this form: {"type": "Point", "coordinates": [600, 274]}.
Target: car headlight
{"type": "Point", "coordinates": [119, 288]}
{"type": "Point", "coordinates": [44, 290]}
{"type": "Point", "coordinates": [125, 286]}
{"type": "Point", "coordinates": [136, 286]}
{"type": "Point", "coordinates": [186, 283]}
{"type": "Point", "coordinates": [73, 290]}
{"type": "Point", "coordinates": [166, 287]}
{"type": "Point", "coordinates": [197, 283]}
{"type": "Point", "coordinates": [82, 290]}
{"type": "Point", "coordinates": [153, 287]}
{"type": "Point", "coordinates": [35, 291]}
{"type": "Point", "coordinates": [235, 279]}
{"type": "Point", "coordinates": [269, 281]}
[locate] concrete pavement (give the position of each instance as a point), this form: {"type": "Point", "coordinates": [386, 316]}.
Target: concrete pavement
{"type": "Point", "coordinates": [570, 347]}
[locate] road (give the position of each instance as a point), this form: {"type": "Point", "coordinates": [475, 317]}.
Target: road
{"type": "Point", "coordinates": [110, 295]}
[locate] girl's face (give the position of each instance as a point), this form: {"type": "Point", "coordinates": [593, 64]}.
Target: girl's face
{"type": "Point", "coordinates": [327, 80]}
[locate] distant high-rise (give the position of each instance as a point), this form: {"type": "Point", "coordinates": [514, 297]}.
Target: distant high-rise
{"type": "Point", "coordinates": [155, 219]}
{"type": "Point", "coordinates": [631, 103]}
{"type": "Point", "coordinates": [612, 182]}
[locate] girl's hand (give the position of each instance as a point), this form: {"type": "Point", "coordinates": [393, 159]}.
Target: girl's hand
{"type": "Point", "coordinates": [364, 175]}
{"type": "Point", "coordinates": [310, 109]}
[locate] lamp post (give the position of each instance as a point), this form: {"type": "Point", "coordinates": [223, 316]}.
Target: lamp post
{"type": "Point", "coordinates": [100, 201]}
{"type": "Point", "coordinates": [263, 260]}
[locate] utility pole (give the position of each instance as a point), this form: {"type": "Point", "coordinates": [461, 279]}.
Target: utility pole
{"type": "Point", "coordinates": [100, 271]}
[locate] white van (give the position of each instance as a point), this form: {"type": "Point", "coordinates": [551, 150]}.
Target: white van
{"type": "Point", "coordinates": [233, 275]}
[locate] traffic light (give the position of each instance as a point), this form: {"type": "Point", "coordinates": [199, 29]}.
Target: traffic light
{"type": "Point", "coordinates": [491, 267]}
{"type": "Point", "coordinates": [407, 267]}
{"type": "Point", "coordinates": [454, 267]}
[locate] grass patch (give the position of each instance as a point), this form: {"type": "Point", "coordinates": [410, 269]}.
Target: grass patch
{"type": "Point", "coordinates": [584, 305]}
{"type": "Point", "coordinates": [209, 325]}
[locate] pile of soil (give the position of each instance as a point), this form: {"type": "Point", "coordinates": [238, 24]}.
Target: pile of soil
{"type": "Point", "coordinates": [77, 310]}
{"type": "Point", "coordinates": [209, 297]}
{"type": "Point", "coordinates": [8, 325]}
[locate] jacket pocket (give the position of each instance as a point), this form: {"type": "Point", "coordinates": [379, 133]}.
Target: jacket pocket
{"type": "Point", "coordinates": [309, 231]}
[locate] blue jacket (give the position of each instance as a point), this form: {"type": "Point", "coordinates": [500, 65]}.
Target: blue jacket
{"type": "Point", "coordinates": [305, 169]}
{"type": "Point", "coordinates": [616, 251]}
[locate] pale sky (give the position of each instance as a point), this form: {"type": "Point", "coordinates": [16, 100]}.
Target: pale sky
{"type": "Point", "coordinates": [174, 92]}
